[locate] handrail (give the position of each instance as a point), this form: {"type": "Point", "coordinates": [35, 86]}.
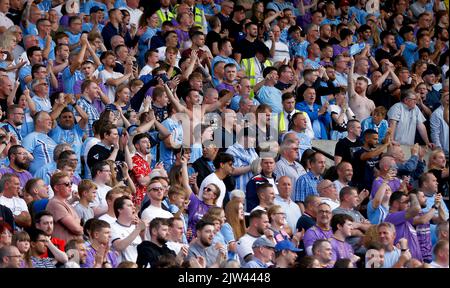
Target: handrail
{"type": "Point", "coordinates": [326, 154]}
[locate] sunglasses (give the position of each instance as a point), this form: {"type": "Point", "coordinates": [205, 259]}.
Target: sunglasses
{"type": "Point", "coordinates": [208, 189]}
{"type": "Point", "coordinates": [68, 184]}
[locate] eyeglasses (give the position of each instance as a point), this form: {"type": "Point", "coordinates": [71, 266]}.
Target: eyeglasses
{"type": "Point", "coordinates": [68, 184]}
{"type": "Point", "coordinates": [208, 189]}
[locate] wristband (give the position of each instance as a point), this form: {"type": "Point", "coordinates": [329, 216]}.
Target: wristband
{"type": "Point", "coordinates": [434, 206]}
{"type": "Point", "coordinates": [404, 250]}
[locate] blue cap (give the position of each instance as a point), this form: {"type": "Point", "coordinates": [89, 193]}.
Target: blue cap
{"type": "Point", "coordinates": [286, 245]}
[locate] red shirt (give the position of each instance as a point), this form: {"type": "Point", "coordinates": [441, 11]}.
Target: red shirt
{"type": "Point", "coordinates": [59, 243]}
{"type": "Point", "coordinates": [141, 168]}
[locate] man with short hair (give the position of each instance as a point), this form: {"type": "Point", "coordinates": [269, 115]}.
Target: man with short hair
{"type": "Point", "coordinates": [402, 216]}
{"type": "Point", "coordinates": [345, 173]}
{"type": "Point", "coordinates": [19, 161]}
{"type": "Point", "coordinates": [268, 93]}
{"type": "Point", "coordinates": [378, 206]}
{"type": "Point", "coordinates": [223, 163]}
{"type": "Point", "coordinates": [10, 256]}
{"type": "Point", "coordinates": [98, 247]}
{"type": "Point", "coordinates": [202, 245]}
{"type": "Point", "coordinates": [89, 92]}
{"type": "Point", "coordinates": [176, 234]}
{"type": "Point", "coordinates": [76, 247]}
{"type": "Point", "coordinates": [141, 166]}
{"type": "Point", "coordinates": [14, 119]}
{"type": "Point", "coordinates": [288, 164]}
{"type": "Point", "coordinates": [360, 104]}
{"type": "Point", "coordinates": [440, 252]}
{"type": "Point", "coordinates": [125, 236]}
{"type": "Point", "coordinates": [39, 242]}
{"type": "Point", "coordinates": [263, 253]}
{"type": "Point", "coordinates": [266, 175]}
{"type": "Point", "coordinates": [405, 118]}
{"type": "Point", "coordinates": [44, 221]}
{"type": "Point", "coordinates": [414, 166]}
{"type": "Point", "coordinates": [342, 226]}
{"type": "Point", "coordinates": [322, 229]}
{"type": "Point", "coordinates": [101, 174]}
{"type": "Point", "coordinates": [308, 218]}
{"type": "Point", "coordinates": [38, 143]}
{"type": "Point", "coordinates": [149, 251]}
{"type": "Point", "coordinates": [67, 222]}
{"type": "Point", "coordinates": [9, 190]}
{"type": "Point", "coordinates": [258, 224]}
{"type": "Point", "coordinates": [155, 192]}
{"type": "Point", "coordinates": [111, 196]}
{"type": "Point", "coordinates": [283, 199]}
{"type": "Point", "coordinates": [328, 193]}
{"type": "Point", "coordinates": [394, 257]}
{"type": "Point", "coordinates": [323, 251]}
{"type": "Point", "coordinates": [365, 158]}
{"type": "Point", "coordinates": [265, 195]}
{"type": "Point", "coordinates": [307, 184]}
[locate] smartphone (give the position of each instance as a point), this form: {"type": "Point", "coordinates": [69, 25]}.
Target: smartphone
{"type": "Point", "coordinates": [182, 151]}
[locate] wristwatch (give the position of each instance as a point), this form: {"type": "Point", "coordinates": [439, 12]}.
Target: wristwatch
{"type": "Point", "coordinates": [435, 207]}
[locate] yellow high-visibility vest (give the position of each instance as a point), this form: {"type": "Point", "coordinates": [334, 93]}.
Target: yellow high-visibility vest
{"type": "Point", "coordinates": [162, 16]}
{"type": "Point", "coordinates": [248, 65]}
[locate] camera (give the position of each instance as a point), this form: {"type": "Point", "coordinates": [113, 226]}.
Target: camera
{"type": "Point", "coordinates": [118, 168]}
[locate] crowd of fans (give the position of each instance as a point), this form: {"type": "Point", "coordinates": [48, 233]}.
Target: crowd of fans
{"type": "Point", "coordinates": [165, 133]}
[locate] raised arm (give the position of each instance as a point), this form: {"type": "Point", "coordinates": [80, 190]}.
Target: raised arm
{"type": "Point", "coordinates": [180, 108]}
{"type": "Point", "coordinates": [350, 83]}
{"type": "Point", "coordinates": [414, 207]}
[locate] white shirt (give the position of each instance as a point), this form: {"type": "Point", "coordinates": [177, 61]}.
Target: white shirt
{"type": "Point", "coordinates": [135, 15]}
{"type": "Point", "coordinates": [5, 21]}
{"type": "Point", "coordinates": [281, 51]}
{"type": "Point", "coordinates": [15, 204]}
{"type": "Point", "coordinates": [434, 264]}
{"type": "Point", "coordinates": [212, 178]}
{"type": "Point", "coordinates": [339, 185]}
{"type": "Point", "coordinates": [293, 212]}
{"type": "Point", "coordinates": [147, 69]}
{"type": "Point", "coordinates": [100, 196]}
{"type": "Point", "coordinates": [152, 212]}
{"type": "Point", "coordinates": [107, 218]}
{"type": "Point", "coordinates": [111, 90]}
{"type": "Point", "coordinates": [333, 204]}
{"type": "Point", "coordinates": [120, 232]}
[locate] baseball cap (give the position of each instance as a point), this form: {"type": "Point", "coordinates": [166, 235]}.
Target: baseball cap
{"type": "Point", "coordinates": [95, 9]}
{"type": "Point", "coordinates": [344, 3]}
{"type": "Point", "coordinates": [263, 242]}
{"type": "Point", "coordinates": [286, 245]}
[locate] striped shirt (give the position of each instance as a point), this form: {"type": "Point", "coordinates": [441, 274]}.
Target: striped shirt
{"type": "Point", "coordinates": [42, 262]}
{"type": "Point", "coordinates": [41, 146]}
{"type": "Point", "coordinates": [242, 157]}
{"type": "Point", "coordinates": [92, 112]}
{"type": "Point", "coordinates": [306, 185]}
{"type": "Point", "coordinates": [292, 170]}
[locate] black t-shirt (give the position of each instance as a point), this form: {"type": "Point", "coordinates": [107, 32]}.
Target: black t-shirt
{"type": "Point", "coordinates": [4, 104]}
{"type": "Point", "coordinates": [248, 49]}
{"type": "Point", "coordinates": [149, 253]}
{"type": "Point", "coordinates": [381, 54]}
{"type": "Point", "coordinates": [235, 31]}
{"type": "Point", "coordinates": [363, 171]}
{"type": "Point", "coordinates": [322, 43]}
{"type": "Point", "coordinates": [211, 38]}
{"type": "Point", "coordinates": [99, 152]}
{"type": "Point", "coordinates": [281, 86]}
{"type": "Point", "coordinates": [383, 97]}
{"type": "Point", "coordinates": [344, 148]}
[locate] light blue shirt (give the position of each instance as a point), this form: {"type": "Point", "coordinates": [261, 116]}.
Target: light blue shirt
{"type": "Point", "coordinates": [227, 60]}
{"type": "Point", "coordinates": [242, 157]}
{"type": "Point", "coordinates": [73, 136]}
{"type": "Point", "coordinates": [73, 38]}
{"type": "Point", "coordinates": [376, 216]}
{"type": "Point", "coordinates": [42, 104]}
{"type": "Point", "coordinates": [166, 154]}
{"type": "Point", "coordinates": [42, 147]}
{"type": "Point", "coordinates": [271, 96]}
{"type": "Point", "coordinates": [42, 42]}
{"type": "Point", "coordinates": [70, 79]}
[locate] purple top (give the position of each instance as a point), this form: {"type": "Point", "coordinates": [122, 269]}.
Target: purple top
{"type": "Point", "coordinates": [315, 233]}
{"type": "Point", "coordinates": [338, 49]}
{"type": "Point", "coordinates": [405, 229]}
{"type": "Point", "coordinates": [223, 86]}
{"type": "Point", "coordinates": [394, 184]}
{"type": "Point", "coordinates": [23, 176]}
{"type": "Point", "coordinates": [341, 249]}
{"type": "Point", "coordinates": [90, 259]}
{"type": "Point", "coordinates": [424, 238]}
{"type": "Point", "coordinates": [196, 210]}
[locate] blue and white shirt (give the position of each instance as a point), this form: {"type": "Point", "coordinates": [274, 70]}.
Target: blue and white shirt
{"type": "Point", "coordinates": [42, 147]}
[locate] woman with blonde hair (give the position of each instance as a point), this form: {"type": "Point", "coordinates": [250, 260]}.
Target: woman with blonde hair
{"type": "Point", "coordinates": [437, 165]}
